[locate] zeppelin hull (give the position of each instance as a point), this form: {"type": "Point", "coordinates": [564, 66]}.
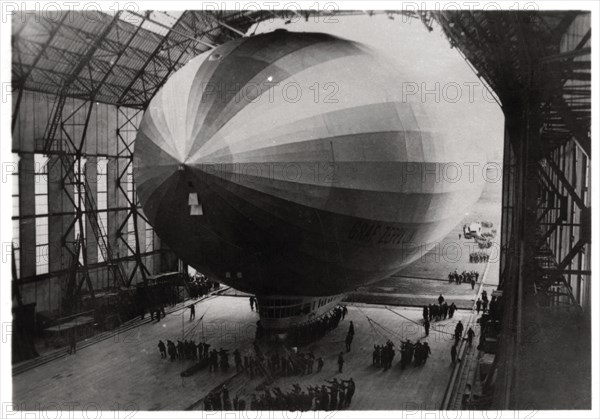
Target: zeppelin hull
{"type": "Point", "coordinates": [298, 195]}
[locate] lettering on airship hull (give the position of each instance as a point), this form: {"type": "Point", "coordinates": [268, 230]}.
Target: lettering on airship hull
{"type": "Point", "coordinates": [366, 232]}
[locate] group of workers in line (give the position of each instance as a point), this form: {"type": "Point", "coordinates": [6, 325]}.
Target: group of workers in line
{"type": "Point", "coordinates": [316, 329]}
{"type": "Point", "coordinates": [458, 333]}
{"type": "Point", "coordinates": [479, 257]}
{"type": "Point", "coordinates": [482, 303]}
{"type": "Point", "coordinates": [189, 350]}
{"type": "Point", "coordinates": [199, 285]}
{"type": "Point", "coordinates": [437, 312]}
{"type": "Point", "coordinates": [470, 277]}
{"type": "Point", "coordinates": [335, 395]}
{"type": "Point", "coordinates": [383, 355]}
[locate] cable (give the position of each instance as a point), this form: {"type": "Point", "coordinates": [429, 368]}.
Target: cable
{"type": "Point", "coordinates": [255, 28]}
{"type": "Point", "coordinates": [390, 331]}
{"type": "Point", "coordinates": [371, 322]}
{"type": "Point", "coordinates": [200, 319]}
{"type": "Point", "coordinates": [415, 322]}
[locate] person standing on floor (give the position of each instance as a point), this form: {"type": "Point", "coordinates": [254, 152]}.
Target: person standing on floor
{"type": "Point", "coordinates": [426, 352]}
{"type": "Point", "coordinates": [162, 349]}
{"type": "Point", "coordinates": [340, 362]}
{"type": "Point", "coordinates": [470, 335]}
{"type": "Point", "coordinates": [349, 338]}
{"type": "Point", "coordinates": [72, 342]}
{"type": "Point", "coordinates": [451, 310]}
{"type": "Point", "coordinates": [350, 389]}
{"type": "Point", "coordinates": [319, 364]}
{"type": "Point", "coordinates": [237, 357]}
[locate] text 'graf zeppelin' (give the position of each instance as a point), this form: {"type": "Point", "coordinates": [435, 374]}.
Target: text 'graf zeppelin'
{"type": "Point", "coordinates": [371, 233]}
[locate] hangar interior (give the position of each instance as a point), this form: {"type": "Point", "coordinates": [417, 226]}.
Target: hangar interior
{"type": "Point", "coordinates": [82, 245]}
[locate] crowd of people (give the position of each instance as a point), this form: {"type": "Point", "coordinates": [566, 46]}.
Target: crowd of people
{"type": "Point", "coordinates": [470, 277]}
{"type": "Point", "coordinates": [479, 257]}
{"type": "Point", "coordinates": [273, 365]}
{"type": "Point", "coordinates": [437, 312]}
{"type": "Point", "coordinates": [189, 350]}
{"type": "Point", "coordinates": [335, 395]}
{"type": "Point", "coordinates": [383, 355]}
{"type": "Point", "coordinates": [484, 305]}
{"type": "Point", "coordinates": [484, 242]}
{"type": "Point", "coordinates": [316, 329]}
{"type": "Point", "coordinates": [219, 400]}
{"type": "Point", "coordinates": [458, 334]}
{"type": "Point", "coordinates": [417, 352]}
{"type": "Point", "coordinates": [291, 363]}
{"type": "Point", "coordinates": [253, 363]}
{"type": "Point", "coordinates": [495, 308]}
{"type": "Point", "coordinates": [199, 285]}
{"type": "Point", "coordinates": [490, 322]}
{"type": "Point", "coordinates": [154, 296]}
{"type": "Point", "coordinates": [286, 361]}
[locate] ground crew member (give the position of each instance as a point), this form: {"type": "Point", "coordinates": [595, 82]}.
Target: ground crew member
{"type": "Point", "coordinates": [162, 348]}
{"type": "Point", "coordinates": [470, 335]}
{"type": "Point", "coordinates": [319, 364]}
{"type": "Point", "coordinates": [349, 338]}
{"type": "Point", "coordinates": [340, 362]}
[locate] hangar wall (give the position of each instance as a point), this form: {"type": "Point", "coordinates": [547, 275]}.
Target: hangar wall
{"type": "Point", "coordinates": [107, 149]}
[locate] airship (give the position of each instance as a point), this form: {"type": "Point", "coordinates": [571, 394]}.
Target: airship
{"type": "Point", "coordinates": [294, 166]}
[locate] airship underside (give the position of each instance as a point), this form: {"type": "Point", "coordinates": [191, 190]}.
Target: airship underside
{"type": "Point", "coordinates": [291, 166]}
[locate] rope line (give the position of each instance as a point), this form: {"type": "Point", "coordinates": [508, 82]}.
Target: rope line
{"type": "Point", "coordinates": [415, 322]}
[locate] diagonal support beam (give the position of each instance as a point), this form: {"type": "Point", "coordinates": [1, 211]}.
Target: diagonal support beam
{"type": "Point", "coordinates": [572, 253]}
{"type": "Point", "coordinates": [580, 134]}
{"type": "Point", "coordinates": [566, 184]}
{"type": "Point", "coordinates": [566, 55]}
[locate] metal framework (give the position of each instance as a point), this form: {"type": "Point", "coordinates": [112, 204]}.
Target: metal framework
{"type": "Point", "coordinates": [120, 59]}
{"type": "Point", "coordinates": [538, 65]}
{"type": "Point", "coordinates": [532, 73]}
